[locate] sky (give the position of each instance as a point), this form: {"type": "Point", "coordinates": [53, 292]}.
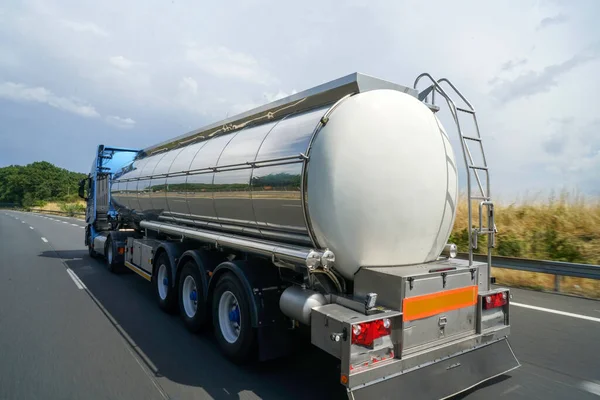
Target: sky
{"type": "Point", "coordinates": [74, 74]}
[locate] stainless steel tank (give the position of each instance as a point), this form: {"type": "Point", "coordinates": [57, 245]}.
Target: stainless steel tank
{"type": "Point", "coordinates": [372, 178]}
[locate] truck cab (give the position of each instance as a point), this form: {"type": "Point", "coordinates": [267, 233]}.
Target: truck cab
{"type": "Point", "coordinates": [100, 215]}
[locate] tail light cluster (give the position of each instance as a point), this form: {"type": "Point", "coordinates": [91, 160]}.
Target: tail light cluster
{"type": "Point", "coordinates": [364, 334]}
{"type": "Point", "coordinates": [495, 300]}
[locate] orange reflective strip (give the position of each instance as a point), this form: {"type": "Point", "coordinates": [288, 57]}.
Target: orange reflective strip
{"type": "Point", "coordinates": [435, 303]}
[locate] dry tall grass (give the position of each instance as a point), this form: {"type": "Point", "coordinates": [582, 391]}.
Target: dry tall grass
{"type": "Point", "coordinates": [562, 228]}
{"type": "Point", "coordinates": [57, 206]}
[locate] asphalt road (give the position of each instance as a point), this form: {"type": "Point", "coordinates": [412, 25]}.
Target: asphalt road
{"type": "Point", "coordinates": [108, 340]}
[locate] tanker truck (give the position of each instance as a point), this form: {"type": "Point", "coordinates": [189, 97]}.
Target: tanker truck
{"type": "Point", "coordinates": [329, 211]}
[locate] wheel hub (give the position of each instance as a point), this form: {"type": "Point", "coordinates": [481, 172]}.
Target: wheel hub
{"type": "Point", "coordinates": [230, 320]}
{"type": "Point", "coordinates": [163, 290]}
{"type": "Point", "coordinates": [234, 314]}
{"type": "Point", "coordinates": [189, 295]}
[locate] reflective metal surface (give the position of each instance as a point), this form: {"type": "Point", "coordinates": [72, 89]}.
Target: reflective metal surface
{"type": "Point", "coordinates": [232, 198]}
{"type": "Point", "coordinates": [276, 197]}
{"type": "Point", "coordinates": [319, 96]}
{"type": "Point", "coordinates": [132, 186]}
{"type": "Point", "coordinates": [291, 136]}
{"type": "Point", "coordinates": [274, 250]}
{"type": "Point", "coordinates": [200, 188]}
{"type": "Point", "coordinates": [245, 182]}
{"type": "Point", "coordinates": [117, 195]}
{"type": "Point", "coordinates": [144, 188]}
{"type": "Point", "coordinates": [232, 201]}
{"type": "Point", "coordinates": [244, 146]}
{"type": "Point", "coordinates": [176, 185]}
{"type": "Point", "coordinates": [159, 182]}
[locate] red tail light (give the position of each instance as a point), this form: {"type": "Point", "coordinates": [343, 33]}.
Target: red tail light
{"type": "Point", "coordinates": [364, 334]}
{"type": "Point", "coordinates": [495, 300]}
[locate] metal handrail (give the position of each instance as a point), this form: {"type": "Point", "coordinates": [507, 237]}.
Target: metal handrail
{"type": "Point", "coordinates": [452, 106]}
{"type": "Point", "coordinates": [472, 112]}
{"type": "Point", "coordinates": [463, 98]}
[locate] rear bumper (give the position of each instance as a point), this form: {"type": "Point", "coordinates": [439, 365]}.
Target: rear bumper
{"type": "Point", "coordinates": [473, 361]}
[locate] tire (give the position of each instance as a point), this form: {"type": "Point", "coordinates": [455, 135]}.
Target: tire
{"type": "Point", "coordinates": [91, 251]}
{"type": "Point", "coordinates": [166, 295]}
{"type": "Point", "coordinates": [238, 343]}
{"type": "Point", "coordinates": [110, 261]}
{"type": "Point", "coordinates": [192, 305]}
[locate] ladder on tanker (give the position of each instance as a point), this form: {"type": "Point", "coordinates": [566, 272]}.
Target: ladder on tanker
{"type": "Point", "coordinates": [476, 167]}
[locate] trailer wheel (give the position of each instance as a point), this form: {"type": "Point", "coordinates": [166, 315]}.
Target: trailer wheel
{"type": "Point", "coordinates": [231, 319]}
{"type": "Point", "coordinates": [192, 306]}
{"type": "Point", "coordinates": [161, 278]}
{"type": "Point", "coordinates": [110, 257]}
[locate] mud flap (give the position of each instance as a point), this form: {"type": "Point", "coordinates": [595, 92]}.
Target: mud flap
{"type": "Point", "coordinates": [444, 378]}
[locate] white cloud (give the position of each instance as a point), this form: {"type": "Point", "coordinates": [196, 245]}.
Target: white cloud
{"type": "Point", "coordinates": [512, 64]}
{"type": "Point", "coordinates": [29, 94]}
{"type": "Point", "coordinates": [121, 62]}
{"type": "Point", "coordinates": [573, 152]}
{"type": "Point", "coordinates": [19, 92]}
{"type": "Point", "coordinates": [535, 82]}
{"type": "Point", "coordinates": [555, 20]}
{"type": "Point", "coordinates": [223, 62]}
{"type": "Point", "coordinates": [156, 73]}
{"type": "Point", "coordinates": [189, 85]}
{"type": "Point", "coordinates": [120, 122]}
{"type": "Point", "coordinates": [84, 27]}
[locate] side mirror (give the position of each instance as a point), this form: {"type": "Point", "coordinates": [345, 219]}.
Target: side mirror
{"type": "Point", "coordinates": [81, 191]}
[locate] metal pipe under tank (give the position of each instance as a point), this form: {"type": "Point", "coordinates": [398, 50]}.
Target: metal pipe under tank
{"type": "Point", "coordinates": [297, 303]}
{"type": "Point", "coordinates": [307, 257]}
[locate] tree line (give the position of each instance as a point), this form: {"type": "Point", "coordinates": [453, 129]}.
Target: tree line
{"type": "Point", "coordinates": [37, 183]}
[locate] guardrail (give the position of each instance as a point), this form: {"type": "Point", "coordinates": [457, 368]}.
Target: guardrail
{"type": "Point", "coordinates": [56, 212]}
{"type": "Point", "coordinates": [556, 268]}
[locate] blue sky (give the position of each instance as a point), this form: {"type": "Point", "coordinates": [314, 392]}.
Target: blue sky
{"type": "Point", "coordinates": [74, 74]}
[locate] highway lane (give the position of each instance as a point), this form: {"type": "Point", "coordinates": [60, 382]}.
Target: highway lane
{"type": "Point", "coordinates": [559, 353]}
{"type": "Point", "coordinates": [54, 342]}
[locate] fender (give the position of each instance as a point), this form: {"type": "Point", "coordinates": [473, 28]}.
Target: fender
{"type": "Point", "coordinates": [255, 278]}
{"type": "Point", "coordinates": [118, 239]}
{"type": "Point", "coordinates": [174, 251]}
{"type": "Point", "coordinates": [206, 262]}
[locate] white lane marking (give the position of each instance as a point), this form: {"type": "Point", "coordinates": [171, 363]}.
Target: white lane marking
{"type": "Point", "coordinates": [64, 222]}
{"type": "Point", "coordinates": [44, 240]}
{"type": "Point", "coordinates": [549, 310]}
{"type": "Point", "coordinates": [31, 227]}
{"type": "Point", "coordinates": [76, 279]}
{"type": "Point", "coordinates": [74, 224]}
{"type": "Point", "coordinates": [22, 222]}
{"type": "Point", "coordinates": [82, 227]}
{"type": "Point", "coordinates": [591, 387]}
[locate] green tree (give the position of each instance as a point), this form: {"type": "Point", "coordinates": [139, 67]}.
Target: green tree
{"type": "Point", "coordinates": [37, 182]}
